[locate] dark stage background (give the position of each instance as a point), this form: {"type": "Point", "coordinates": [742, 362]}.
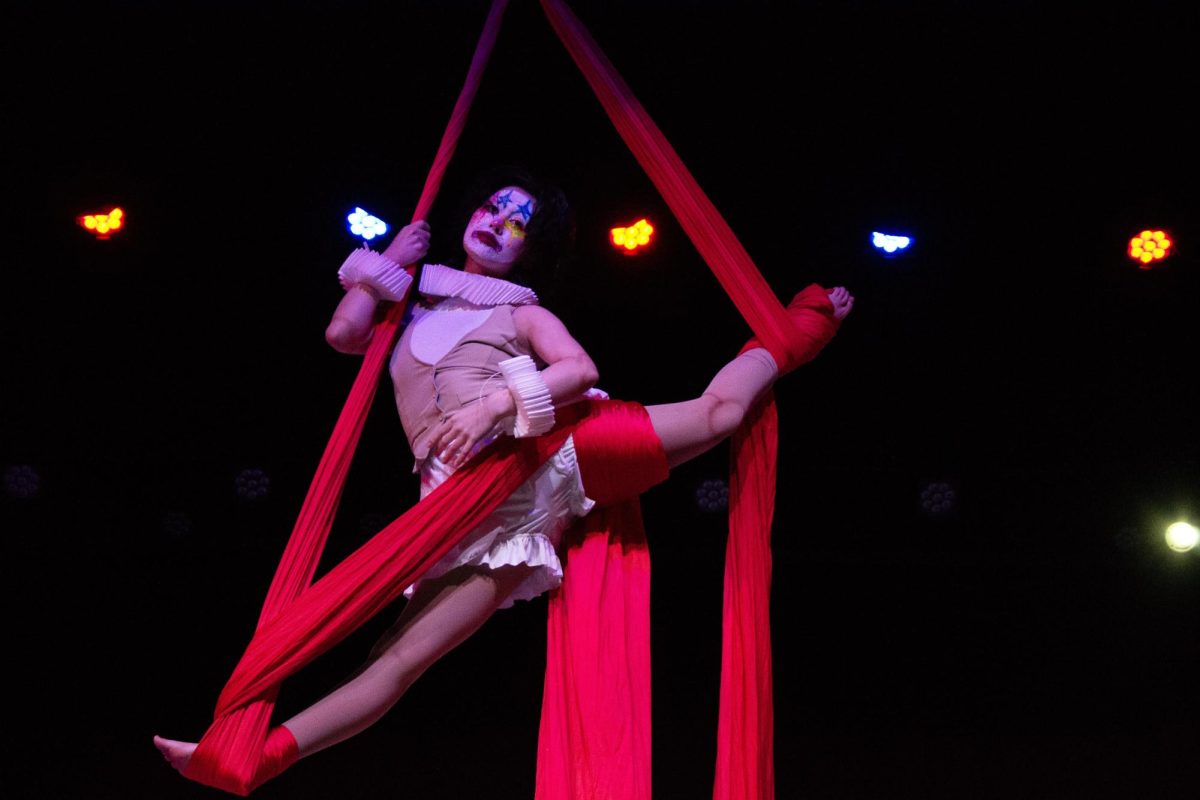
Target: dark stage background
{"type": "Point", "coordinates": [1039, 641]}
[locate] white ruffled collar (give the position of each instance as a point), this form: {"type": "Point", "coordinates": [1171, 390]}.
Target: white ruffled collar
{"type": "Point", "coordinates": [480, 290]}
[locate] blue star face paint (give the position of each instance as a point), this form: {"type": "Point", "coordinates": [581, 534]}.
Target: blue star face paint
{"type": "Point", "coordinates": [495, 237]}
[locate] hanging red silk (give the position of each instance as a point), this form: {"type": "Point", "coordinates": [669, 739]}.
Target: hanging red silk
{"type": "Point", "coordinates": [594, 740]}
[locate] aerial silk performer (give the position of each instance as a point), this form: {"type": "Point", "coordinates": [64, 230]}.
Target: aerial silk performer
{"type": "Point", "coordinates": [523, 460]}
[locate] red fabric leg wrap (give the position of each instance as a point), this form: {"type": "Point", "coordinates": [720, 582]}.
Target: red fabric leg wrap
{"type": "Point", "coordinates": [280, 752]}
{"type": "Point", "coordinates": [241, 771]}
{"type": "Point", "coordinates": [813, 325]}
{"type": "Point", "coordinates": [620, 455]}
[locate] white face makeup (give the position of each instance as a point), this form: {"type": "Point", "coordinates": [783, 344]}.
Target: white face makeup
{"type": "Point", "coordinates": [495, 236]}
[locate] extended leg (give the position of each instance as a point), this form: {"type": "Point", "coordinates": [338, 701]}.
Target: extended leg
{"type": "Point", "coordinates": [693, 427]}
{"type": "Point", "coordinates": [440, 616]}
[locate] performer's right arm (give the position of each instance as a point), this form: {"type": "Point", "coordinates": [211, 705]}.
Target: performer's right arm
{"type": "Point", "coordinates": [369, 278]}
{"type": "Point", "coordinates": [353, 321]}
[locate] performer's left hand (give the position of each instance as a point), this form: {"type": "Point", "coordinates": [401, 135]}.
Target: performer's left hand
{"type": "Point", "coordinates": [842, 301]}
{"type": "Point", "coordinates": [455, 437]}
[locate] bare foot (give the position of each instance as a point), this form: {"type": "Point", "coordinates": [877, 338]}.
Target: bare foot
{"type": "Point", "coordinates": [178, 754]}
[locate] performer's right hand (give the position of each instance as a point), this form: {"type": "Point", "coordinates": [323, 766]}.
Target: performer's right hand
{"type": "Point", "coordinates": [410, 245]}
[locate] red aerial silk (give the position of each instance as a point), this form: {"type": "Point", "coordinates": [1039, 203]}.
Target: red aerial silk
{"type": "Point", "coordinates": [745, 755]}
{"type": "Point", "coordinates": [594, 739]}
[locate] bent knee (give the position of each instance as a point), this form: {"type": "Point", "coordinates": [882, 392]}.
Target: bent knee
{"type": "Point", "coordinates": [724, 416]}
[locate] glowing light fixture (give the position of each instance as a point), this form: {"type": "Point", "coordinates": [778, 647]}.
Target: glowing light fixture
{"type": "Point", "coordinates": [1149, 246]}
{"type": "Point", "coordinates": [939, 498]}
{"type": "Point", "coordinates": [366, 225]}
{"type": "Point", "coordinates": [634, 237]}
{"type": "Point", "coordinates": [890, 244]}
{"type": "Point", "coordinates": [1182, 537]}
{"type": "Point", "coordinates": [712, 496]}
{"type": "Point", "coordinates": [252, 484]}
{"type": "Point", "coordinates": [21, 481]}
{"type": "Point", "coordinates": [103, 225]}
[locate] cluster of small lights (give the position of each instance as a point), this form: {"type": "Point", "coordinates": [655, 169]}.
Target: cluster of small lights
{"type": "Point", "coordinates": [177, 524]}
{"type": "Point", "coordinates": [366, 225]}
{"type": "Point", "coordinates": [21, 481]}
{"type": "Point", "coordinates": [636, 235]}
{"type": "Point", "coordinates": [1149, 246]}
{"type": "Point", "coordinates": [103, 224]}
{"type": "Point", "coordinates": [712, 496]}
{"type": "Point", "coordinates": [1126, 538]}
{"type": "Point", "coordinates": [889, 243]}
{"type": "Point", "coordinates": [252, 484]}
{"type": "Point", "coordinates": [938, 498]}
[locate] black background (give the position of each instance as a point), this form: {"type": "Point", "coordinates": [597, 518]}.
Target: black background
{"type": "Point", "coordinates": [1039, 641]}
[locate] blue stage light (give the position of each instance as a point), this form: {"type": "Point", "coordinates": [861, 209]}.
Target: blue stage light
{"type": "Point", "coordinates": [889, 243]}
{"type": "Point", "coordinates": [366, 225]}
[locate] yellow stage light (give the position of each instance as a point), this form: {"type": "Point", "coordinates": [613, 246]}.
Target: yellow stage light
{"type": "Point", "coordinates": [103, 225]}
{"type": "Point", "coordinates": [634, 237]}
{"type": "Point", "coordinates": [1149, 246]}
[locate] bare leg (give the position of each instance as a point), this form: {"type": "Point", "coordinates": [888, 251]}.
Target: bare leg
{"type": "Point", "coordinates": [441, 615]}
{"type": "Point", "coordinates": [693, 427]}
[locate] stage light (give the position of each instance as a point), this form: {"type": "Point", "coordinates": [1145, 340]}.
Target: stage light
{"type": "Point", "coordinates": [629, 240]}
{"type": "Point", "coordinates": [939, 498]}
{"type": "Point", "coordinates": [1149, 246]}
{"type": "Point", "coordinates": [890, 244]}
{"type": "Point", "coordinates": [372, 522]}
{"type": "Point", "coordinates": [1127, 538]}
{"type": "Point", "coordinates": [177, 524]}
{"type": "Point", "coordinates": [103, 225]}
{"type": "Point", "coordinates": [21, 481]}
{"type": "Point", "coordinates": [366, 225]}
{"type": "Point", "coordinates": [252, 484]}
{"type": "Point", "coordinates": [712, 496]}
{"type": "Point", "coordinates": [1182, 537]}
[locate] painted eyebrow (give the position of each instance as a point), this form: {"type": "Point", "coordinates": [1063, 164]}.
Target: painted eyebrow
{"type": "Point", "coordinates": [524, 209]}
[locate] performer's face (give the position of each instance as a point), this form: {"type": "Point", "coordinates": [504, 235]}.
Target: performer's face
{"type": "Point", "coordinates": [495, 236]}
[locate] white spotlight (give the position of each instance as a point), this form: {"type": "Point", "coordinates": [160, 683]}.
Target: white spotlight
{"type": "Point", "coordinates": [1182, 537]}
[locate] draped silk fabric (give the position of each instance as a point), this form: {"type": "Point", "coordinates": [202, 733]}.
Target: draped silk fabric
{"type": "Point", "coordinates": [594, 740]}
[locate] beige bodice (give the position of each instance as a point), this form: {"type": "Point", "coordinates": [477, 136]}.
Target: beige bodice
{"type": "Point", "coordinates": [468, 372]}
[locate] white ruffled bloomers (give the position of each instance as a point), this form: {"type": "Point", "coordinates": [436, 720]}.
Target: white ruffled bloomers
{"type": "Point", "coordinates": [525, 529]}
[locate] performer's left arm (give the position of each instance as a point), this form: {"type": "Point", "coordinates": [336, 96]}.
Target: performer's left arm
{"type": "Point", "coordinates": [570, 370]}
{"type": "Point", "coordinates": [569, 373]}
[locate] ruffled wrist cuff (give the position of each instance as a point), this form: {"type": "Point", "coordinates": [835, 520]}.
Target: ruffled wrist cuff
{"type": "Point", "coordinates": [535, 408]}
{"type": "Point", "coordinates": [376, 270]}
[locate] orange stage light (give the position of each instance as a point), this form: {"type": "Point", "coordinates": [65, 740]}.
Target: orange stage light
{"type": "Point", "coordinates": [1149, 246]}
{"type": "Point", "coordinates": [103, 225]}
{"type": "Point", "coordinates": [629, 240]}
